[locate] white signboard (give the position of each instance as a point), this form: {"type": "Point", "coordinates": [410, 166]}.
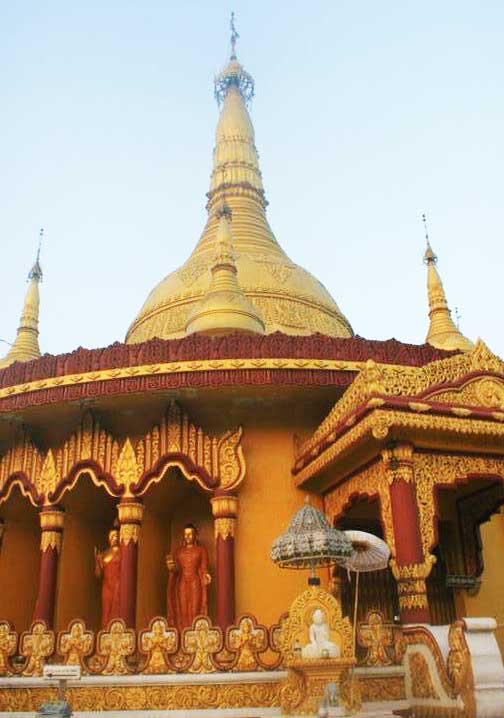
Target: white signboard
{"type": "Point", "coordinates": [62, 673]}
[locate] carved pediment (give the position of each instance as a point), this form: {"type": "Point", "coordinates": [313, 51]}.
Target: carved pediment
{"type": "Point", "coordinates": [127, 466]}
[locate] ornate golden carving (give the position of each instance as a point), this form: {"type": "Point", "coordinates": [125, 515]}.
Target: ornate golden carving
{"type": "Point", "coordinates": [411, 584]}
{"type": "Point", "coordinates": [458, 664]}
{"type": "Point", "coordinates": [114, 647]}
{"type": "Point", "coordinates": [76, 644]}
{"type": "Point", "coordinates": [49, 477]}
{"type": "Point", "coordinates": [36, 645]}
{"type": "Point", "coordinates": [224, 528]}
{"type": "Point", "coordinates": [126, 469]}
{"type": "Point", "coordinates": [8, 645]}
{"type": "Point", "coordinates": [371, 481]}
{"type": "Point", "coordinates": [295, 629]}
{"type": "Point", "coordinates": [421, 680]}
{"type": "Point", "coordinates": [142, 697]}
{"type": "Point", "coordinates": [292, 692]}
{"type": "Point", "coordinates": [398, 381]}
{"type": "Point", "coordinates": [444, 470]}
{"type": "Point", "coordinates": [51, 539]}
{"type": "Point", "coordinates": [398, 461]}
{"type": "Point", "coordinates": [202, 642]}
{"type": "Point", "coordinates": [378, 637]}
{"type": "Point", "coordinates": [378, 689]}
{"type": "Point", "coordinates": [220, 457]}
{"type": "Point", "coordinates": [157, 643]}
{"type": "Point", "coordinates": [247, 640]}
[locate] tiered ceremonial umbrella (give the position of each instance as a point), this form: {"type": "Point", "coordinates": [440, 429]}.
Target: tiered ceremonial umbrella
{"type": "Point", "coordinates": [310, 542]}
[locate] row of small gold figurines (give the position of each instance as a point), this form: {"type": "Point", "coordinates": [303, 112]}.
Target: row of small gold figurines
{"type": "Point", "coordinates": [160, 648]}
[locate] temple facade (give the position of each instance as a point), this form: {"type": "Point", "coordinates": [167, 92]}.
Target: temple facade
{"type": "Point", "coordinates": [142, 484]}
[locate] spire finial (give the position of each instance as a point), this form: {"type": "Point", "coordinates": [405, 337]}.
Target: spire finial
{"type": "Point", "coordinates": [36, 271]}
{"type": "Point", "coordinates": [429, 256]}
{"type": "Point", "coordinates": [233, 74]}
{"type": "Point", "coordinates": [234, 36]}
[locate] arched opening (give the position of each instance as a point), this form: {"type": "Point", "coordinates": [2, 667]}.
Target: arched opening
{"type": "Point", "coordinates": [468, 579]}
{"type": "Point", "coordinates": [377, 589]}
{"type": "Point", "coordinates": [169, 505]}
{"type": "Point", "coordinates": [90, 513]}
{"type": "Point", "coordinates": [19, 560]}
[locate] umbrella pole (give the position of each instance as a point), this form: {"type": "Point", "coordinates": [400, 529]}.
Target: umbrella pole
{"type": "Point", "coordinates": [356, 601]}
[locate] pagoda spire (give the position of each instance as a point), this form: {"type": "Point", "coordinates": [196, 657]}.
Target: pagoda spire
{"type": "Point", "coordinates": [224, 307]}
{"type": "Point", "coordinates": [26, 345]}
{"type": "Point", "coordinates": [236, 177]}
{"type": "Point", "coordinates": [443, 333]}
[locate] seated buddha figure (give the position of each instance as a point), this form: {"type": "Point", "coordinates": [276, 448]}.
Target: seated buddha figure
{"type": "Point", "coordinates": [320, 645]}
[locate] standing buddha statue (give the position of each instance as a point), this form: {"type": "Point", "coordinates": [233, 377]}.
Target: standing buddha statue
{"type": "Point", "coordinates": [188, 581]}
{"type": "Point", "coordinates": [108, 568]}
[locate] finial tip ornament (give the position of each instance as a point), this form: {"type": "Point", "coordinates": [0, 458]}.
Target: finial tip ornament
{"type": "Point", "coordinates": [36, 270]}
{"type": "Point", "coordinates": [234, 36]}
{"type": "Point", "coordinates": [233, 74]}
{"type": "Point", "coordinates": [429, 256]}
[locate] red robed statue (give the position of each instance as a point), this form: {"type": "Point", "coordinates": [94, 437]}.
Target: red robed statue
{"type": "Point", "coordinates": [188, 580]}
{"type": "Point", "coordinates": [108, 568]}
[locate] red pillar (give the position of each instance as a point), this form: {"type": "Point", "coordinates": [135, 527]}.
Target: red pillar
{"type": "Point", "coordinates": [130, 519]}
{"type": "Point", "coordinates": [51, 526]}
{"type": "Point", "coordinates": [409, 565]}
{"type": "Point", "coordinates": [225, 511]}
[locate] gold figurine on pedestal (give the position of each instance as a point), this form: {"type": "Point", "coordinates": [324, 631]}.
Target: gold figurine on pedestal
{"type": "Point", "coordinates": [188, 581]}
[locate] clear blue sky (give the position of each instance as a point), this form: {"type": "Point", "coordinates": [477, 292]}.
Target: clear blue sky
{"type": "Point", "coordinates": [366, 114]}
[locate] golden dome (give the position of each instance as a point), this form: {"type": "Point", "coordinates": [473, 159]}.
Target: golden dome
{"type": "Point", "coordinates": [287, 297]}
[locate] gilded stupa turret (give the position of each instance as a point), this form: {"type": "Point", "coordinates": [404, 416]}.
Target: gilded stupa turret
{"type": "Point", "coordinates": [224, 308]}
{"type": "Point", "coordinates": [26, 345]}
{"type": "Point", "coordinates": [286, 297]}
{"type": "Point", "coordinates": [443, 333]}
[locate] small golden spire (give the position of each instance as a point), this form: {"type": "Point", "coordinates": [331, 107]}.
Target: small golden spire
{"type": "Point", "coordinates": [26, 346]}
{"type": "Point", "coordinates": [442, 334]}
{"type": "Point", "coordinates": [224, 308]}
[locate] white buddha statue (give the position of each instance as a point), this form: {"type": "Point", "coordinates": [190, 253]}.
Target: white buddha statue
{"type": "Point", "coordinates": [319, 646]}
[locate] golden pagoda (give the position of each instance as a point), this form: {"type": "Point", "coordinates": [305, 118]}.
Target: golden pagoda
{"type": "Point", "coordinates": [287, 297]}
{"type": "Point", "coordinates": [143, 484]}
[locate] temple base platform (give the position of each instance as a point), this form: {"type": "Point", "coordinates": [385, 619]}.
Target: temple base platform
{"type": "Point", "coordinates": [230, 695]}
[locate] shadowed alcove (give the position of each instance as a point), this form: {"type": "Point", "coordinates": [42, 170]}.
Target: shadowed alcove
{"type": "Point", "coordinates": [169, 505]}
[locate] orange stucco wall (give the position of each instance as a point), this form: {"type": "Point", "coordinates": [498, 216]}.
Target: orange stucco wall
{"type": "Point", "coordinates": [489, 601]}
{"type": "Point", "coordinates": [19, 563]}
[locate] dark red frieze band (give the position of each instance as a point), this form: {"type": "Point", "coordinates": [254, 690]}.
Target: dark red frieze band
{"type": "Point", "coordinates": [235, 346]}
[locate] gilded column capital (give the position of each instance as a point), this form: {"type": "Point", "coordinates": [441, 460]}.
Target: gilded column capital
{"type": "Point", "coordinates": [130, 519]}
{"type": "Point", "coordinates": [130, 512]}
{"type": "Point", "coordinates": [411, 585]}
{"type": "Point", "coordinates": [225, 511]}
{"type": "Point", "coordinates": [398, 462]}
{"type": "Point", "coordinates": [225, 506]}
{"type": "Point", "coordinates": [52, 520]}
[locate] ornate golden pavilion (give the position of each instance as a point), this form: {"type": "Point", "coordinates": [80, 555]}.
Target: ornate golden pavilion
{"type": "Point", "coordinates": [239, 390]}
